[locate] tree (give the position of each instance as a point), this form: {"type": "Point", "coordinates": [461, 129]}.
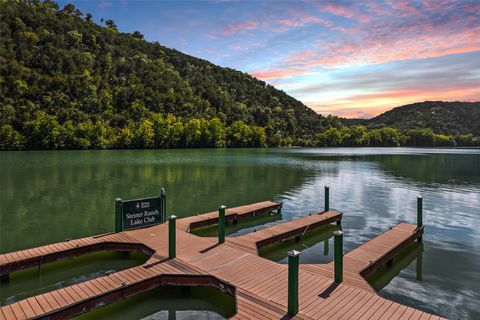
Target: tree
{"type": "Point", "coordinates": [238, 135]}
{"type": "Point", "coordinates": [330, 138]}
{"type": "Point", "coordinates": [111, 24]}
{"type": "Point", "coordinates": [217, 133]}
{"type": "Point", "coordinates": [69, 8]}
{"type": "Point", "coordinates": [193, 133]}
{"type": "Point", "coordinates": [10, 139]}
{"type": "Point", "coordinates": [88, 17]}
{"type": "Point", "coordinates": [144, 135]}
{"type": "Point", "coordinates": [137, 35]}
{"type": "Point", "coordinates": [124, 138]}
{"type": "Point", "coordinates": [43, 132]}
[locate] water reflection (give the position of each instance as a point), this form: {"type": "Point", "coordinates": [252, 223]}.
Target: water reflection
{"type": "Point", "coordinates": [71, 194]}
{"type": "Point", "coordinates": [52, 276]}
{"type": "Point", "coordinates": [382, 277]}
{"type": "Point", "coordinates": [315, 247]}
{"type": "Point", "coordinates": [169, 303]}
{"type": "Point", "coordinates": [237, 229]}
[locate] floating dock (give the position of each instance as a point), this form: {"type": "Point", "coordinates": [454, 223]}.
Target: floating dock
{"type": "Point", "coordinates": [260, 287]}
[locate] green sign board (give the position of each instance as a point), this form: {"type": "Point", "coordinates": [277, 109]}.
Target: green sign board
{"type": "Point", "coordinates": [140, 213]}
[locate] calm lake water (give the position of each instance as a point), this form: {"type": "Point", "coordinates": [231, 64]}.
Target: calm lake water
{"type": "Point", "coordinates": [51, 196]}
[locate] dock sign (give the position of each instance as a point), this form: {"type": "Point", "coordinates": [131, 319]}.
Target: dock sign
{"type": "Point", "coordinates": [138, 213]}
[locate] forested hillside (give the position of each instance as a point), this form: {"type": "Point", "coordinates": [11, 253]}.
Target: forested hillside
{"type": "Point", "coordinates": [441, 117]}
{"type": "Point", "coordinates": [66, 82]}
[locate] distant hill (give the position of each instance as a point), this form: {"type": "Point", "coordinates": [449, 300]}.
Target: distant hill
{"type": "Point", "coordinates": [60, 71]}
{"type": "Point", "coordinates": [449, 118]}
{"type": "Point", "coordinates": [352, 121]}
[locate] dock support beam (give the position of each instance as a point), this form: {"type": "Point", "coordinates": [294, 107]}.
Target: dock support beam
{"type": "Point", "coordinates": [221, 224]}
{"type": "Point", "coordinates": [163, 195]}
{"type": "Point", "coordinates": [172, 237]}
{"type": "Point", "coordinates": [118, 215]}
{"type": "Point", "coordinates": [327, 198]}
{"type": "Point", "coordinates": [293, 263]}
{"type": "Point", "coordinates": [338, 255]}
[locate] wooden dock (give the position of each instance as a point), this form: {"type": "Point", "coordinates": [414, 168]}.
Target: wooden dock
{"type": "Point", "coordinates": [256, 240]}
{"type": "Point", "coordinates": [258, 285]}
{"type": "Point", "coordinates": [233, 215]}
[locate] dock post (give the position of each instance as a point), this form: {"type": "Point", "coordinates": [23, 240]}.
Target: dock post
{"type": "Point", "coordinates": [338, 255]}
{"type": "Point", "coordinates": [221, 224]}
{"type": "Point", "coordinates": [118, 215]}
{"type": "Point", "coordinates": [419, 211]}
{"type": "Point", "coordinates": [172, 238]}
{"type": "Point", "coordinates": [419, 263]}
{"type": "Point", "coordinates": [327, 198]}
{"type": "Point", "coordinates": [293, 263]}
{"type": "Point", "coordinates": [163, 196]}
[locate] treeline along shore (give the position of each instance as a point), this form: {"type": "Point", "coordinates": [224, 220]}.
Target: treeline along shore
{"type": "Point", "coordinates": [158, 131]}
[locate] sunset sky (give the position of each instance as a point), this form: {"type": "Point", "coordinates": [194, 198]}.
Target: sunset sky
{"type": "Point", "coordinates": [348, 58]}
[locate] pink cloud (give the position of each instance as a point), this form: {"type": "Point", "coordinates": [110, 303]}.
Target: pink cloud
{"type": "Point", "coordinates": [348, 12]}
{"type": "Point", "coordinates": [388, 40]}
{"type": "Point", "coordinates": [276, 25]}
{"type": "Point", "coordinates": [276, 73]}
{"type": "Point", "coordinates": [371, 104]}
{"type": "Point", "coordinates": [241, 27]}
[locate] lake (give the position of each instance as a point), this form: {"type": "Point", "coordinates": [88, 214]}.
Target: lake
{"type": "Point", "coordinates": [54, 195]}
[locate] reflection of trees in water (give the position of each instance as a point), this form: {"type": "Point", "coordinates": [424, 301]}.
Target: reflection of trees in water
{"type": "Point", "coordinates": [47, 197]}
{"type": "Point", "coordinates": [173, 302]}
{"type": "Point", "coordinates": [384, 275]}
{"type": "Point", "coordinates": [439, 168]}
{"type": "Point", "coordinates": [423, 168]}
{"type": "Point", "coordinates": [62, 273]}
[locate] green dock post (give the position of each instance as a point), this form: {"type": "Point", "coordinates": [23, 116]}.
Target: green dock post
{"type": "Point", "coordinates": [293, 263]}
{"type": "Point", "coordinates": [221, 224]}
{"type": "Point", "coordinates": [118, 215]}
{"type": "Point", "coordinates": [327, 198]}
{"type": "Point", "coordinates": [338, 255]}
{"type": "Point", "coordinates": [419, 262]}
{"type": "Point", "coordinates": [163, 196]}
{"type": "Point", "coordinates": [419, 211]}
{"type": "Point", "coordinates": [172, 238]}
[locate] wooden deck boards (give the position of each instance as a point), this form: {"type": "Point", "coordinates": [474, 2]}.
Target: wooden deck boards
{"type": "Point", "coordinates": [238, 213]}
{"type": "Point", "coordinates": [279, 232]}
{"type": "Point", "coordinates": [368, 257]}
{"type": "Point", "coordinates": [261, 284]}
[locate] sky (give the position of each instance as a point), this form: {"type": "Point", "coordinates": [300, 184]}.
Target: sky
{"type": "Point", "coordinates": [353, 59]}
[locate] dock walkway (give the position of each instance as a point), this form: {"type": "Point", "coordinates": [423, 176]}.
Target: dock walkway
{"type": "Point", "coordinates": [254, 241]}
{"type": "Point", "coordinates": [236, 214]}
{"type": "Point", "coordinates": [259, 285]}
{"type": "Point", "coordinates": [370, 256]}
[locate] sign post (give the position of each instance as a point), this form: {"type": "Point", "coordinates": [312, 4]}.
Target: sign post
{"type": "Point", "coordinates": [139, 213]}
{"type": "Point", "coordinates": [118, 215]}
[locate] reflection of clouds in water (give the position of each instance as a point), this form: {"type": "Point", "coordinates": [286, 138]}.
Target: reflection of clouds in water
{"type": "Point", "coordinates": [373, 199]}
{"type": "Point", "coordinates": [454, 304]}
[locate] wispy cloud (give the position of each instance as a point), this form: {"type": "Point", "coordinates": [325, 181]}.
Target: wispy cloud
{"type": "Point", "coordinates": [105, 4]}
